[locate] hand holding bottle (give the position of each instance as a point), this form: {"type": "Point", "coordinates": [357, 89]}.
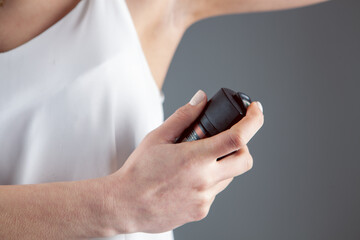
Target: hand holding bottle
{"type": "Point", "coordinates": [163, 185]}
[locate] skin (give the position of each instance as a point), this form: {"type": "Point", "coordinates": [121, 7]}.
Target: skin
{"type": "Point", "coordinates": [161, 24]}
{"type": "Point", "coordinates": [22, 21]}
{"type": "Point", "coordinates": [162, 185]}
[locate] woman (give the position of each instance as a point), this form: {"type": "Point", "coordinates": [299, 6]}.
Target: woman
{"type": "Point", "coordinates": [84, 152]}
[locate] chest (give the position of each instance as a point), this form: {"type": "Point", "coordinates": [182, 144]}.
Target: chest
{"type": "Point", "coordinates": [75, 101]}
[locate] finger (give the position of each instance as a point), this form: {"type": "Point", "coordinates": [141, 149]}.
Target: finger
{"type": "Point", "coordinates": [235, 164]}
{"type": "Point", "coordinates": [220, 186]}
{"type": "Point", "coordinates": [183, 117]}
{"type": "Point", "coordinates": [234, 138]}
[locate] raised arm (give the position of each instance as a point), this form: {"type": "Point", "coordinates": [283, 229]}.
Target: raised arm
{"type": "Point", "coordinates": [201, 9]}
{"type": "Point", "coordinates": [161, 23]}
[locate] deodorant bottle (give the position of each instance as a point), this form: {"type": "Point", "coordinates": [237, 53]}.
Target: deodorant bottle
{"type": "Point", "coordinates": [221, 112]}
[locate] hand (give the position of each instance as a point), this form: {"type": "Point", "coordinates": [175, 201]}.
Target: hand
{"type": "Point", "coordinates": [165, 185]}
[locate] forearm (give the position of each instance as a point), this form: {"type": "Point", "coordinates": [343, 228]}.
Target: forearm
{"type": "Point", "coordinates": [64, 210]}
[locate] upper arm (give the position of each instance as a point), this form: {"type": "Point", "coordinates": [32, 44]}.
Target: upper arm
{"type": "Point", "coordinates": [200, 9]}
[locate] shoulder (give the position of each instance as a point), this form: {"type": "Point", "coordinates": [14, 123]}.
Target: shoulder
{"type": "Point", "coordinates": [22, 20]}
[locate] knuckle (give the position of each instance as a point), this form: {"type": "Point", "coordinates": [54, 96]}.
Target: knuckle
{"type": "Point", "coordinates": [203, 184]}
{"type": "Point", "coordinates": [249, 162]}
{"type": "Point", "coordinates": [182, 113]}
{"type": "Point", "coordinates": [236, 140]}
{"type": "Point", "coordinates": [150, 134]}
{"type": "Point", "coordinates": [207, 200]}
{"type": "Point", "coordinates": [244, 160]}
{"type": "Point", "coordinates": [201, 212]}
{"type": "Point", "coordinates": [201, 206]}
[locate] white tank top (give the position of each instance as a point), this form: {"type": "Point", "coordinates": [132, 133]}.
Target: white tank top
{"type": "Point", "coordinates": [76, 100]}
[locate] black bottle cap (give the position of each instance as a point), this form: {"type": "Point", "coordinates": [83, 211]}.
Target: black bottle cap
{"type": "Point", "coordinates": [223, 110]}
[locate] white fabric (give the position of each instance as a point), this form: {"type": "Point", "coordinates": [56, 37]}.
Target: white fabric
{"type": "Point", "coordinates": [76, 100]}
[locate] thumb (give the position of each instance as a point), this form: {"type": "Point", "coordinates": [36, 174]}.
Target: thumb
{"type": "Point", "coordinates": [183, 117]}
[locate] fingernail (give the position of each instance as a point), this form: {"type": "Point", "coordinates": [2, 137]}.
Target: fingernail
{"type": "Point", "coordinates": [260, 106]}
{"type": "Point", "coordinates": [197, 98]}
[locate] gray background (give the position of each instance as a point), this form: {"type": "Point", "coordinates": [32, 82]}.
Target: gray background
{"type": "Point", "coordinates": [304, 66]}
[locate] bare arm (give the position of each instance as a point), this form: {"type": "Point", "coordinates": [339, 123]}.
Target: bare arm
{"type": "Point", "coordinates": [161, 186]}
{"type": "Point", "coordinates": [161, 23]}
{"type": "Point", "coordinates": [64, 210]}
{"type": "Point", "coordinates": [201, 9]}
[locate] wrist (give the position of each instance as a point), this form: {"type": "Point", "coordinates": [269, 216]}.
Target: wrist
{"type": "Point", "coordinates": [117, 205]}
{"type": "Point", "coordinates": [95, 210]}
